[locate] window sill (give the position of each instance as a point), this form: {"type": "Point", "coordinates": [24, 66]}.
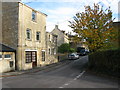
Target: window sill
{"type": "Point", "coordinates": [34, 21]}
{"type": "Point", "coordinates": [7, 58]}
{"type": "Point", "coordinates": [28, 62]}
{"type": "Point", "coordinates": [29, 40]}
{"type": "Point", "coordinates": [38, 41]}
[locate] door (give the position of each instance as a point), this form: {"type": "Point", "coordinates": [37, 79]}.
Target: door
{"type": "Point", "coordinates": [34, 58]}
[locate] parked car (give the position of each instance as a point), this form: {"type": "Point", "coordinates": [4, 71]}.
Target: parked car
{"type": "Point", "coordinates": [83, 52]}
{"type": "Point", "coordinates": [73, 56]}
{"type": "Point", "coordinates": [87, 51]}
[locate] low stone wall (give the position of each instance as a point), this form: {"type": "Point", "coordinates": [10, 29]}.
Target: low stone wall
{"type": "Point", "coordinates": [62, 57]}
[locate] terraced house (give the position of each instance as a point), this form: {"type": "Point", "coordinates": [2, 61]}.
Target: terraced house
{"type": "Point", "coordinates": [51, 48]}
{"type": "Point", "coordinates": [23, 29]}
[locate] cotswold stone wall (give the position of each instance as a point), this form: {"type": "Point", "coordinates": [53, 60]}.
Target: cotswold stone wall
{"type": "Point", "coordinates": [10, 16]}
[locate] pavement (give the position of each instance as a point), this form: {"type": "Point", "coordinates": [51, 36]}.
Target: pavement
{"type": "Point", "coordinates": [37, 69]}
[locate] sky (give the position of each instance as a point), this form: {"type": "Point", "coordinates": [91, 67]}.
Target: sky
{"type": "Point", "coordinates": [61, 11]}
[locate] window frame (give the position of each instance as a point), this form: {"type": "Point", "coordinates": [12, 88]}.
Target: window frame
{"type": "Point", "coordinates": [28, 30]}
{"type": "Point", "coordinates": [1, 56]}
{"type": "Point", "coordinates": [38, 35]}
{"type": "Point", "coordinates": [35, 15]}
{"type": "Point", "coordinates": [28, 55]}
{"type": "Point", "coordinates": [43, 55]}
{"type": "Point", "coordinates": [9, 57]}
{"type": "Point", "coordinates": [49, 51]}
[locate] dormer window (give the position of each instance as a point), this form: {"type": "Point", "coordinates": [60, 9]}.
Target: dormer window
{"type": "Point", "coordinates": [33, 16]}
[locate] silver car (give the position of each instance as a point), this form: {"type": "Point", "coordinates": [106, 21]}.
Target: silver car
{"type": "Point", "coordinates": [73, 56]}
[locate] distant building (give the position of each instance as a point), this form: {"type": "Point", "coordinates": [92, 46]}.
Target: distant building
{"type": "Point", "coordinates": [62, 36]}
{"type": "Point", "coordinates": [75, 44]}
{"type": "Point", "coordinates": [24, 29]}
{"type": "Point", "coordinates": [51, 47]}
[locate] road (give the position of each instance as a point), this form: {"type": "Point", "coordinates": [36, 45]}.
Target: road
{"type": "Point", "coordinates": [72, 75]}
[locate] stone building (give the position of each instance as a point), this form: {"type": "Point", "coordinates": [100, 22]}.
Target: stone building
{"type": "Point", "coordinates": [23, 29]}
{"type": "Point", "coordinates": [62, 36]}
{"type": "Point", "coordinates": [74, 43]}
{"type": "Point", "coordinates": [51, 48]}
{"type": "Point", "coordinates": [7, 58]}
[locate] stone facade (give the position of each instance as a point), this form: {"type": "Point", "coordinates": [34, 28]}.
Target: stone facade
{"type": "Point", "coordinates": [51, 46]}
{"type": "Point", "coordinates": [62, 36]}
{"type": "Point", "coordinates": [7, 64]}
{"type": "Point", "coordinates": [20, 26]}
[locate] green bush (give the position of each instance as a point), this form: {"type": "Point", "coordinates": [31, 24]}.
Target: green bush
{"type": "Point", "coordinates": [64, 48]}
{"type": "Point", "coordinates": [106, 61]}
{"type": "Point", "coordinates": [72, 50]}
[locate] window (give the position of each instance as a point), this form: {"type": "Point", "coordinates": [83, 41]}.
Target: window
{"type": "Point", "coordinates": [0, 57]}
{"type": "Point", "coordinates": [45, 28]}
{"type": "Point", "coordinates": [54, 39]}
{"type": "Point", "coordinates": [28, 32]}
{"type": "Point", "coordinates": [49, 51]}
{"type": "Point", "coordinates": [33, 16]}
{"type": "Point", "coordinates": [7, 56]}
{"type": "Point", "coordinates": [28, 57]}
{"type": "Point", "coordinates": [43, 55]}
{"type": "Point", "coordinates": [37, 36]}
{"type": "Point", "coordinates": [11, 63]}
{"type": "Point", "coordinates": [49, 38]}
{"type": "Point", "coordinates": [31, 56]}
{"type": "Point", "coordinates": [54, 51]}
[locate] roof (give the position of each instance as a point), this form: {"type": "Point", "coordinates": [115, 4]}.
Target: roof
{"type": "Point", "coordinates": [116, 23]}
{"type": "Point", "coordinates": [5, 48]}
{"type": "Point", "coordinates": [33, 9]}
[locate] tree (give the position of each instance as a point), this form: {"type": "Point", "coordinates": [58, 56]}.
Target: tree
{"type": "Point", "coordinates": [94, 25]}
{"type": "Point", "coordinates": [71, 50]}
{"type": "Point", "coordinates": [64, 48]}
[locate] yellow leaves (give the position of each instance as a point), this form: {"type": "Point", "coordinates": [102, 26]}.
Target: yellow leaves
{"type": "Point", "coordinates": [95, 24]}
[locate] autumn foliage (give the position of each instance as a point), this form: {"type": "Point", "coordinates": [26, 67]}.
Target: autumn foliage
{"type": "Point", "coordinates": [95, 26]}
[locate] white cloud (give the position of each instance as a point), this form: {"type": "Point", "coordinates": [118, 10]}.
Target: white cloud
{"type": "Point", "coordinates": [62, 11]}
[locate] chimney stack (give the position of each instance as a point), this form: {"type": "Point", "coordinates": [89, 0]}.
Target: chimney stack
{"type": "Point", "coordinates": [56, 26]}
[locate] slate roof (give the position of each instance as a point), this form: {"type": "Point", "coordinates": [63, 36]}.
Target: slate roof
{"type": "Point", "coordinates": [5, 48]}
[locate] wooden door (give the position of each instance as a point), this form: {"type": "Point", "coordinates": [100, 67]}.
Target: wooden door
{"type": "Point", "coordinates": [34, 58]}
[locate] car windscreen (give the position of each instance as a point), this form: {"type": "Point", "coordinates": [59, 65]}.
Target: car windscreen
{"type": "Point", "coordinates": [72, 55]}
{"type": "Point", "coordinates": [83, 50]}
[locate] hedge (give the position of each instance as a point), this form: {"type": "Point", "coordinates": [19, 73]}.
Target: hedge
{"type": "Point", "coordinates": [107, 62]}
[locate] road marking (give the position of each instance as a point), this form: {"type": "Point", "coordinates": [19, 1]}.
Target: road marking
{"type": "Point", "coordinates": [75, 79]}
{"type": "Point", "coordinates": [66, 84]}
{"type": "Point", "coordinates": [60, 87]}
{"type": "Point", "coordinates": [79, 75]}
